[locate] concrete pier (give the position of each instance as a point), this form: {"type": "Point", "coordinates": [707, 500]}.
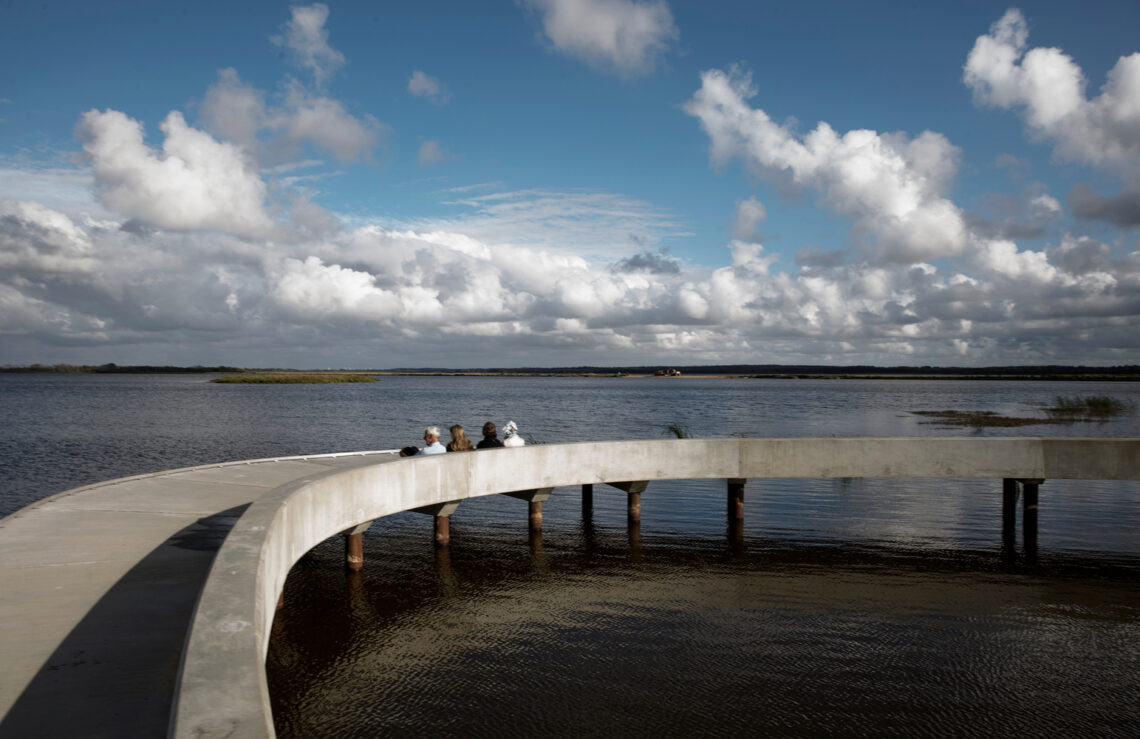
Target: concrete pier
{"type": "Point", "coordinates": [94, 620]}
{"type": "Point", "coordinates": [99, 585]}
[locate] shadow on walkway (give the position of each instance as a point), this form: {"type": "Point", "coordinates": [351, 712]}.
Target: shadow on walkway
{"type": "Point", "coordinates": [115, 673]}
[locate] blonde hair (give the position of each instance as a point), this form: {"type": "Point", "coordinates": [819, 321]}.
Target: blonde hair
{"type": "Point", "coordinates": [459, 441]}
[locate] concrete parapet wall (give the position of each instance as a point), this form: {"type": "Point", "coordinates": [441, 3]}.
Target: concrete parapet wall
{"type": "Point", "coordinates": [223, 688]}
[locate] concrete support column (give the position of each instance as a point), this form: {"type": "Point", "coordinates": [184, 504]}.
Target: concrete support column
{"type": "Point", "coordinates": [1009, 492]}
{"type": "Point", "coordinates": [1029, 513]}
{"type": "Point", "coordinates": [442, 531]}
{"type": "Point", "coordinates": [1008, 503]}
{"type": "Point", "coordinates": [735, 499]}
{"type": "Point", "coordinates": [354, 552]}
{"type": "Point", "coordinates": [587, 500]}
{"type": "Point", "coordinates": [535, 511]}
{"type": "Point", "coordinates": [1009, 488]}
{"type": "Point", "coordinates": [633, 489]}
{"type": "Point", "coordinates": [634, 531]}
{"type": "Point", "coordinates": [538, 557]}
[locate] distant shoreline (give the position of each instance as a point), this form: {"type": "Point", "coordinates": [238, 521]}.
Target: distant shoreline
{"type": "Point", "coordinates": [1125, 373]}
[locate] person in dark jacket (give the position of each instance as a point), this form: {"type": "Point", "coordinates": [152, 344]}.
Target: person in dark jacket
{"type": "Point", "coordinates": [490, 437]}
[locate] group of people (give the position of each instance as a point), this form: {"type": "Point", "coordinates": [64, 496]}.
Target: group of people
{"type": "Point", "coordinates": [460, 443]}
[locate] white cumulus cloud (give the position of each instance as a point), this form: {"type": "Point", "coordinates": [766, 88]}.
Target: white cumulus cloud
{"type": "Point", "coordinates": [621, 36]}
{"type": "Point", "coordinates": [36, 239]}
{"type": "Point", "coordinates": [1049, 87]}
{"type": "Point", "coordinates": [892, 187]}
{"type": "Point", "coordinates": [194, 183]}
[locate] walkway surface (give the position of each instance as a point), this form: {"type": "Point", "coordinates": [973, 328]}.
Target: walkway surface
{"type": "Point", "coordinates": [98, 586]}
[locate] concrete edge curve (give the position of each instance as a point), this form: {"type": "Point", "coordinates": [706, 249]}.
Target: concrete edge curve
{"type": "Point", "coordinates": [223, 689]}
{"type": "Point", "coordinates": [179, 470]}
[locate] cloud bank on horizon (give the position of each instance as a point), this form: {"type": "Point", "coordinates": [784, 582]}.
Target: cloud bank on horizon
{"type": "Point", "coordinates": [210, 243]}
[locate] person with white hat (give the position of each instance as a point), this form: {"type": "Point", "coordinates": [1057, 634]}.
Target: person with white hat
{"type": "Point", "coordinates": [511, 435]}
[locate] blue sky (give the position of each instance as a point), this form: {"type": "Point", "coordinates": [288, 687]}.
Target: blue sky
{"type": "Point", "coordinates": [552, 182]}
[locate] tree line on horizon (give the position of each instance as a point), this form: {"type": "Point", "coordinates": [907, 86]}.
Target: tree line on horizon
{"type": "Point", "coordinates": [705, 369]}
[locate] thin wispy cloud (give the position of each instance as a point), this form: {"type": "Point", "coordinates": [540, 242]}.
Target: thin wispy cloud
{"type": "Point", "coordinates": [306, 39]}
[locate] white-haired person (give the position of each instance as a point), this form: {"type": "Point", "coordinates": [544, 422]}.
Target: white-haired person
{"type": "Point", "coordinates": [431, 441]}
{"type": "Point", "coordinates": [511, 435]}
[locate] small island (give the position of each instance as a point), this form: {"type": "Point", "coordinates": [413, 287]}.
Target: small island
{"type": "Point", "coordinates": [287, 378]}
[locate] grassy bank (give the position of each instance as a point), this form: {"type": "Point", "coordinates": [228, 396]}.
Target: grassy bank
{"type": "Point", "coordinates": [286, 378]}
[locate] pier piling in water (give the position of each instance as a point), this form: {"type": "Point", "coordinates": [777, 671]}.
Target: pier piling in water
{"type": "Point", "coordinates": [633, 490]}
{"type": "Point", "coordinates": [440, 512]}
{"type": "Point", "coordinates": [1029, 515]}
{"type": "Point", "coordinates": [587, 500]}
{"type": "Point", "coordinates": [442, 531]}
{"type": "Point", "coordinates": [534, 499]}
{"type": "Point", "coordinates": [735, 499]}
{"type": "Point", "coordinates": [354, 552]}
{"type": "Point", "coordinates": [354, 546]}
{"type": "Point", "coordinates": [1008, 507]}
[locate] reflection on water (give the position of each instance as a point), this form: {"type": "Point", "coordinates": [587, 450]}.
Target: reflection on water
{"type": "Point", "coordinates": [829, 609]}
{"type": "Point", "coordinates": [836, 606]}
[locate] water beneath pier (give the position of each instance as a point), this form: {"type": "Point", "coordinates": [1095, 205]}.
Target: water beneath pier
{"type": "Point", "coordinates": [845, 607]}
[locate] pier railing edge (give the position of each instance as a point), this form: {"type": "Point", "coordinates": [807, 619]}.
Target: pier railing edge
{"type": "Point", "coordinates": [223, 690]}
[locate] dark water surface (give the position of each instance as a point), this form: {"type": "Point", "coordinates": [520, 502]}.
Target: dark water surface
{"type": "Point", "coordinates": [843, 607]}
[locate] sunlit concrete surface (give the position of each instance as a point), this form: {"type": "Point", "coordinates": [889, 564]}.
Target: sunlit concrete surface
{"type": "Point", "coordinates": [99, 585]}
{"type": "Point", "coordinates": [223, 690]}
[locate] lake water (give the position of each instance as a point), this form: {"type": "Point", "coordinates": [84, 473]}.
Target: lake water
{"type": "Point", "coordinates": [846, 607]}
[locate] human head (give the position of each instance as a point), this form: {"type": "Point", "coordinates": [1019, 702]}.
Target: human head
{"type": "Point", "coordinates": [457, 433]}
{"type": "Point", "coordinates": [510, 429]}
{"type": "Point", "coordinates": [489, 429]}
{"type": "Point", "coordinates": [431, 434]}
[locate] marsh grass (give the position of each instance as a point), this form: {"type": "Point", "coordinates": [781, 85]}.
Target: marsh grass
{"type": "Point", "coordinates": [1094, 406]}
{"type": "Point", "coordinates": [676, 429]}
{"type": "Point", "coordinates": [981, 419]}
{"type": "Point", "coordinates": [288, 378]}
{"type": "Point", "coordinates": [1065, 410]}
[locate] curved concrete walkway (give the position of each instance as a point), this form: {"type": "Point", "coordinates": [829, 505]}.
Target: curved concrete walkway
{"type": "Point", "coordinates": [98, 586]}
{"type": "Point", "coordinates": [223, 692]}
